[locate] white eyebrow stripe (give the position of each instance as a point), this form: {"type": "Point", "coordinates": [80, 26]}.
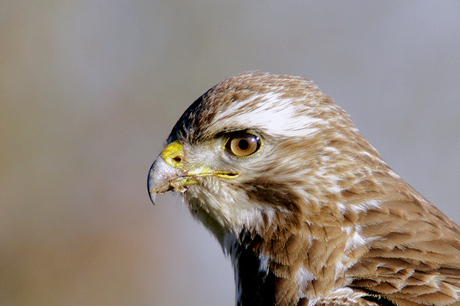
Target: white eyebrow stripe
{"type": "Point", "coordinates": [275, 115]}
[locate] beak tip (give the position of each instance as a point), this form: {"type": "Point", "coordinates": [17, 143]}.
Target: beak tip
{"type": "Point", "coordinates": [152, 198]}
{"type": "Point", "coordinates": [161, 178]}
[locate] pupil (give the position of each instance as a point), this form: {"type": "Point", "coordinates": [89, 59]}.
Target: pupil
{"type": "Point", "coordinates": [243, 144]}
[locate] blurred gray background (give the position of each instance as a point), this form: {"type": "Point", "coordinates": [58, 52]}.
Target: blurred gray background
{"type": "Point", "coordinates": [89, 90]}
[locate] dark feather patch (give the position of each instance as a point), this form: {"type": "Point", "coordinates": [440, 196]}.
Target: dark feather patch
{"type": "Point", "coordinates": [257, 286]}
{"type": "Point", "coordinates": [272, 193]}
{"type": "Point", "coordinates": [377, 299]}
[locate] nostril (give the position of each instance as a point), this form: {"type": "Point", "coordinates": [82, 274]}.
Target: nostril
{"type": "Point", "coordinates": [177, 159]}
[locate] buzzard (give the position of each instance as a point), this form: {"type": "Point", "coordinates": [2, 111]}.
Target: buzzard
{"type": "Point", "coordinates": [303, 205]}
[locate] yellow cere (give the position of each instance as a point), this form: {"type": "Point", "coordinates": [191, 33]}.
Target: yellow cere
{"type": "Point", "coordinates": [173, 154]}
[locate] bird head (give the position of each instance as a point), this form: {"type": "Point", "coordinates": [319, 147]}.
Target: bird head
{"type": "Point", "coordinates": [259, 147]}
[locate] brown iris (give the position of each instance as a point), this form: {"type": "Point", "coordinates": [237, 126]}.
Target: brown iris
{"type": "Point", "coordinates": [242, 144]}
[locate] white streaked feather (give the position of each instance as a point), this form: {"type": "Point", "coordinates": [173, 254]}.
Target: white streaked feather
{"type": "Point", "coordinates": [346, 293]}
{"type": "Point", "coordinates": [355, 240]}
{"type": "Point", "coordinates": [365, 206]}
{"type": "Point", "coordinates": [303, 277]}
{"type": "Point", "coordinates": [263, 266]}
{"type": "Point", "coordinates": [275, 115]}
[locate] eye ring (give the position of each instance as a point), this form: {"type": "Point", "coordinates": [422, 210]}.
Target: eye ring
{"type": "Point", "coordinates": [243, 144]}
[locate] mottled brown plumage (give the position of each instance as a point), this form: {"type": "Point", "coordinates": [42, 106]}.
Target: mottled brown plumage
{"type": "Point", "coordinates": [305, 207]}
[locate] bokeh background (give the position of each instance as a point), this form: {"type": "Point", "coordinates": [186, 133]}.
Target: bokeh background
{"type": "Point", "coordinates": [89, 90]}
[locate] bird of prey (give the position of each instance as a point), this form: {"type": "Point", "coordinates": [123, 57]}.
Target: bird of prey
{"type": "Point", "coordinates": [303, 205]}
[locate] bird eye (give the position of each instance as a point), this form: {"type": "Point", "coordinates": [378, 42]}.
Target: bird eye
{"type": "Point", "coordinates": [243, 144]}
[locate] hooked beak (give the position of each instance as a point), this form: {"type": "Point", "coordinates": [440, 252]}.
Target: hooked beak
{"type": "Point", "coordinates": [166, 173]}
